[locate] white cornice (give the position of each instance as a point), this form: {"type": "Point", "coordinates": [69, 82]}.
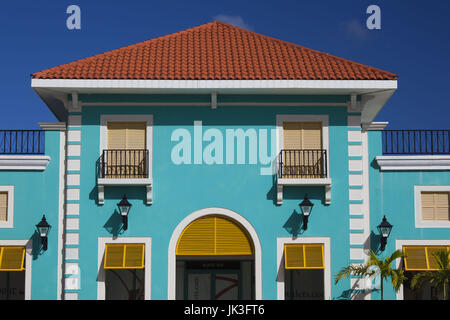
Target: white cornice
{"type": "Point", "coordinates": [52, 126]}
{"type": "Point", "coordinates": [374, 126]}
{"type": "Point", "coordinates": [413, 163]}
{"type": "Point", "coordinates": [19, 162]}
{"type": "Point", "coordinates": [212, 84]}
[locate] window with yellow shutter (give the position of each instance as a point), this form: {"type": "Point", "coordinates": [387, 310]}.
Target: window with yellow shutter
{"type": "Point", "coordinates": [304, 272]}
{"type": "Point", "coordinates": [420, 258]}
{"type": "Point", "coordinates": [303, 256]}
{"type": "Point", "coordinates": [12, 258]}
{"type": "Point", "coordinates": [124, 256]}
{"type": "Point", "coordinates": [124, 265]}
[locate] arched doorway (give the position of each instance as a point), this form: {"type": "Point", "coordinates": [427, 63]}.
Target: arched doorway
{"type": "Point", "coordinates": [216, 255]}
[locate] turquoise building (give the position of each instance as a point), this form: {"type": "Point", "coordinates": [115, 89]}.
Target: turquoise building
{"type": "Point", "coordinates": [216, 163]}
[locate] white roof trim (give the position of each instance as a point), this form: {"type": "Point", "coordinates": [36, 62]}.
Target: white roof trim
{"type": "Point", "coordinates": [412, 163]}
{"type": "Point", "coordinates": [213, 84]}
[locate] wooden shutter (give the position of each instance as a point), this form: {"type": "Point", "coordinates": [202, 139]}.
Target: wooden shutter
{"type": "Point", "coordinates": [292, 135]}
{"type": "Point", "coordinates": [117, 135]}
{"type": "Point", "coordinates": [124, 256]}
{"type": "Point", "coordinates": [294, 256]}
{"type": "Point", "coordinates": [3, 206]}
{"type": "Point", "coordinates": [416, 258]}
{"type": "Point", "coordinates": [124, 136]}
{"type": "Point", "coordinates": [420, 258]}
{"type": "Point", "coordinates": [303, 256]}
{"type": "Point", "coordinates": [214, 235]}
{"type": "Point", "coordinates": [136, 135]}
{"type": "Point", "coordinates": [306, 139]}
{"type": "Point", "coordinates": [312, 135]}
{"type": "Point", "coordinates": [435, 206]}
{"type": "Point", "coordinates": [12, 258]}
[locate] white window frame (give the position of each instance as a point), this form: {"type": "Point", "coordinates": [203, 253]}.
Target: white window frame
{"type": "Point", "coordinates": [9, 223]}
{"type": "Point", "coordinates": [325, 241]}
{"type": "Point", "coordinates": [419, 222]}
{"type": "Point", "coordinates": [148, 118]}
{"type": "Point", "coordinates": [400, 243]}
{"type": "Point", "coordinates": [326, 182]}
{"type": "Point", "coordinates": [103, 241]}
{"type": "Point", "coordinates": [147, 182]}
{"type": "Point", "coordinates": [28, 244]}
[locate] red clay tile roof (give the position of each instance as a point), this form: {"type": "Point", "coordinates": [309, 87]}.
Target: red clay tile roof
{"type": "Point", "coordinates": [215, 51]}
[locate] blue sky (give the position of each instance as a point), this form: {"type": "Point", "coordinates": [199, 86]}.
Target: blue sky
{"type": "Point", "coordinates": [413, 42]}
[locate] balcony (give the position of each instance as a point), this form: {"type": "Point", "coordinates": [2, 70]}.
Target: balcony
{"type": "Point", "coordinates": [303, 168]}
{"type": "Point", "coordinates": [405, 150]}
{"type": "Point", "coordinates": [124, 168]}
{"type": "Point", "coordinates": [23, 150]}
{"type": "Point", "coordinates": [24, 142]}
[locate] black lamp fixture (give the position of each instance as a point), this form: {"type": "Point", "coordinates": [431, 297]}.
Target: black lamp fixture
{"type": "Point", "coordinates": [43, 228]}
{"type": "Point", "coordinates": [384, 228]}
{"type": "Point", "coordinates": [124, 208]}
{"type": "Point", "coordinates": [306, 207]}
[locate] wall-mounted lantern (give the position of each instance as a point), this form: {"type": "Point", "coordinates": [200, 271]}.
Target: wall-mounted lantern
{"type": "Point", "coordinates": [384, 228]}
{"type": "Point", "coordinates": [124, 208]}
{"type": "Point", "coordinates": [306, 208]}
{"type": "Point", "coordinates": [43, 228]}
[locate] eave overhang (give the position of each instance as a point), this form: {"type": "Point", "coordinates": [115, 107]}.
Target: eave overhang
{"type": "Point", "coordinates": [372, 94]}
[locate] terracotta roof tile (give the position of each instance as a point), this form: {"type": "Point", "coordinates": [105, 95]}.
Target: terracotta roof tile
{"type": "Point", "coordinates": [215, 51]}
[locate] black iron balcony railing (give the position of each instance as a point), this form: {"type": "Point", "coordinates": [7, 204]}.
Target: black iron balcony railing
{"type": "Point", "coordinates": [302, 164]}
{"type": "Point", "coordinates": [124, 164]}
{"type": "Point", "coordinates": [22, 142]}
{"type": "Point", "coordinates": [416, 142]}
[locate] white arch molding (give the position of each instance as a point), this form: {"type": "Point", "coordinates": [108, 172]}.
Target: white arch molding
{"type": "Point", "coordinates": [205, 212]}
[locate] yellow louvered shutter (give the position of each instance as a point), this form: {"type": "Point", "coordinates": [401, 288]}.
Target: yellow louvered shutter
{"type": "Point", "coordinates": [124, 256]}
{"type": "Point", "coordinates": [435, 206]}
{"type": "Point", "coordinates": [134, 256]}
{"type": "Point", "coordinates": [420, 258]}
{"type": "Point", "coordinates": [3, 206]}
{"type": "Point", "coordinates": [416, 258]}
{"type": "Point", "coordinates": [303, 256]}
{"type": "Point", "coordinates": [214, 235]}
{"type": "Point", "coordinates": [293, 256]}
{"type": "Point", "coordinates": [231, 238]}
{"type": "Point", "coordinates": [12, 258]}
{"type": "Point", "coordinates": [314, 256]}
{"type": "Point", "coordinates": [432, 263]}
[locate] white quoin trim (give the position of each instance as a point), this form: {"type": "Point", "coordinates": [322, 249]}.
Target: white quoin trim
{"type": "Point", "coordinates": [205, 212]}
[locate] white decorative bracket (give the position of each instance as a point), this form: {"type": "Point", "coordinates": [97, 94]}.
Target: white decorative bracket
{"type": "Point", "coordinates": [213, 100]}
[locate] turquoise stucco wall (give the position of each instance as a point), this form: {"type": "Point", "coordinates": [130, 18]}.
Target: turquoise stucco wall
{"type": "Point", "coordinates": [392, 194]}
{"type": "Point", "coordinates": [35, 194]}
{"type": "Point", "coordinates": [181, 190]}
